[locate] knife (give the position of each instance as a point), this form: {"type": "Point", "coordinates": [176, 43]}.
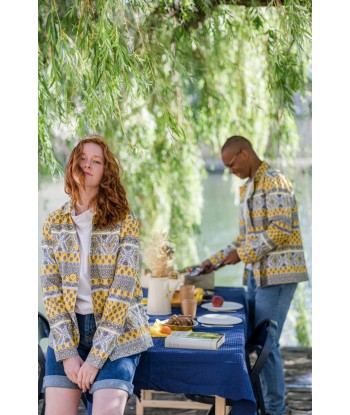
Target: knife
{"type": "Point", "coordinates": [198, 270]}
{"type": "Point", "coordinates": [216, 325]}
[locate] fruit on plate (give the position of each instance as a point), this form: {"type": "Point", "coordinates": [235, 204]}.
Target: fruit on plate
{"type": "Point", "coordinates": [217, 301]}
{"type": "Point", "coordinates": [165, 330]}
{"type": "Point", "coordinates": [156, 329]}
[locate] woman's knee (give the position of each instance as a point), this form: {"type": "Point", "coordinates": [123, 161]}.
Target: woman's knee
{"type": "Point", "coordinates": [109, 402]}
{"type": "Point", "coordinates": [62, 401]}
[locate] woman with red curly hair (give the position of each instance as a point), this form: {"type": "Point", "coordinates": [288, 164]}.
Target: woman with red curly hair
{"type": "Point", "coordinates": [91, 288]}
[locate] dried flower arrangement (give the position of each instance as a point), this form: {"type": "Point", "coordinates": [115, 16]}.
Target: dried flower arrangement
{"type": "Point", "coordinates": [158, 256]}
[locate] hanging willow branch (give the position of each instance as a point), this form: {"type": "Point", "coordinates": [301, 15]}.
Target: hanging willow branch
{"type": "Point", "coordinates": [190, 14]}
{"type": "Point", "coordinates": [161, 78]}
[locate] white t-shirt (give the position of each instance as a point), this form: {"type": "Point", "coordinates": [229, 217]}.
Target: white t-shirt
{"type": "Point", "coordinates": [83, 223]}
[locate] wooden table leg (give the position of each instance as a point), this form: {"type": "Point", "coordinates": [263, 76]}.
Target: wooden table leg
{"type": "Point", "coordinates": [139, 406]}
{"type": "Point", "coordinates": [145, 395]}
{"type": "Point", "coordinates": [220, 405]}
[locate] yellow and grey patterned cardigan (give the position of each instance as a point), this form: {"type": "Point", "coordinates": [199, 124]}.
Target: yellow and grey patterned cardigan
{"type": "Point", "coordinates": [270, 237]}
{"type": "Point", "coordinates": [122, 327]}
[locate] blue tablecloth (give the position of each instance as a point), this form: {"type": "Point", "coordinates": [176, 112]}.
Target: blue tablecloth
{"type": "Point", "coordinates": [221, 372]}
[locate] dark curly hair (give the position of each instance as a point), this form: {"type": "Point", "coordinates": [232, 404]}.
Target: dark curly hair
{"type": "Point", "coordinates": [110, 204]}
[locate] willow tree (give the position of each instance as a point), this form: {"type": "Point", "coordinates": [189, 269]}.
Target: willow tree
{"type": "Point", "coordinates": [161, 78]}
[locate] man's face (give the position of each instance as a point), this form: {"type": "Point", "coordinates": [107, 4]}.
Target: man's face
{"type": "Point", "coordinates": [236, 160]}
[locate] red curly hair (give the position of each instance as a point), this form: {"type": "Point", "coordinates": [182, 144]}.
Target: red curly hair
{"type": "Point", "coordinates": [110, 204]}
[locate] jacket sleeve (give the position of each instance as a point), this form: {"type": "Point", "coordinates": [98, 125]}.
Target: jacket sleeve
{"type": "Point", "coordinates": [220, 255]}
{"type": "Point", "coordinates": [61, 324]}
{"type": "Point", "coordinates": [279, 204]}
{"type": "Point", "coordinates": [120, 294]}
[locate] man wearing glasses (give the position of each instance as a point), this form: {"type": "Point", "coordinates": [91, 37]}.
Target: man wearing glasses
{"type": "Point", "coordinates": [270, 245]}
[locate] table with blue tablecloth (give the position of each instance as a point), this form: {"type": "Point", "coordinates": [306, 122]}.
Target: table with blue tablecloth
{"type": "Point", "coordinates": [221, 372]}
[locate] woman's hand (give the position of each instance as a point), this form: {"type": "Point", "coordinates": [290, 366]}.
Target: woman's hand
{"type": "Point", "coordinates": [71, 367]}
{"type": "Point", "coordinates": [86, 376]}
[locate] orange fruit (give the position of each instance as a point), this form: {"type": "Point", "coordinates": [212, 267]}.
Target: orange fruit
{"type": "Point", "coordinates": [165, 330]}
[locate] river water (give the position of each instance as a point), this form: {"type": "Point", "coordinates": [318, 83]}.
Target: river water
{"type": "Point", "coordinates": [219, 227]}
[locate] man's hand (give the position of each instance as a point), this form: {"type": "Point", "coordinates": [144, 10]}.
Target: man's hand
{"type": "Point", "coordinates": [207, 266]}
{"type": "Point", "coordinates": [231, 258]}
{"type": "Point", "coordinates": [71, 367]}
{"type": "Point", "coordinates": [86, 376]}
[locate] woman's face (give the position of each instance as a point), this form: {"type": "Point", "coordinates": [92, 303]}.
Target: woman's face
{"type": "Point", "coordinates": [92, 165]}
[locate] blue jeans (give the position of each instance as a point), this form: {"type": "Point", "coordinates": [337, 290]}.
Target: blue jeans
{"type": "Point", "coordinates": [117, 374]}
{"type": "Point", "coordinates": [271, 302]}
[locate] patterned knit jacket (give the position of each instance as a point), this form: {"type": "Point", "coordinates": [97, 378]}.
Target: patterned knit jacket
{"type": "Point", "coordinates": [122, 327]}
{"type": "Point", "coordinates": [269, 237]}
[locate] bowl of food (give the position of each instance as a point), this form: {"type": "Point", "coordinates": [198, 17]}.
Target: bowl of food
{"type": "Point", "coordinates": [180, 322]}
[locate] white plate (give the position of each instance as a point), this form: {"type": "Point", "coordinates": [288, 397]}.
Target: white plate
{"type": "Point", "coordinates": [219, 319]}
{"type": "Point", "coordinates": [227, 306]}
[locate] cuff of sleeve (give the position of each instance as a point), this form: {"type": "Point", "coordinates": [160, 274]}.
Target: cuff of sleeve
{"type": "Point", "coordinates": [97, 358]}
{"type": "Point", "coordinates": [62, 354]}
{"type": "Point", "coordinates": [230, 248]}
{"type": "Point", "coordinates": [247, 259]}
{"type": "Point", "coordinates": [218, 257]}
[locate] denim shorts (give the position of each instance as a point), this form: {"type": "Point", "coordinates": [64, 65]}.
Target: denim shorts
{"type": "Point", "coordinates": [117, 374]}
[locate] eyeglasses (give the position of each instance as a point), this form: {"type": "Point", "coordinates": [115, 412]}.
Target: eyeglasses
{"type": "Point", "coordinates": [230, 164]}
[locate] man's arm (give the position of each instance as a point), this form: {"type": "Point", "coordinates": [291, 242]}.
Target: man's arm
{"type": "Point", "coordinates": [219, 256]}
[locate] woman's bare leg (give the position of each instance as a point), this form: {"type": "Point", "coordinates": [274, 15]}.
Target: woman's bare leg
{"type": "Point", "coordinates": [109, 402]}
{"type": "Point", "coordinates": [62, 401]}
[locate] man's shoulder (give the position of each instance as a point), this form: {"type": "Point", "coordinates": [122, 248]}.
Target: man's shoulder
{"type": "Point", "coordinates": [272, 172]}
{"type": "Point", "coordinates": [274, 178]}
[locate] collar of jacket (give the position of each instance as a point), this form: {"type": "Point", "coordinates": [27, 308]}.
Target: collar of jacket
{"type": "Point", "coordinates": [259, 173]}
{"type": "Point", "coordinates": [67, 210]}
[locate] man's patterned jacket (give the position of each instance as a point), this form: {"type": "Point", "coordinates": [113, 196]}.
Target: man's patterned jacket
{"type": "Point", "coordinates": [269, 237]}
